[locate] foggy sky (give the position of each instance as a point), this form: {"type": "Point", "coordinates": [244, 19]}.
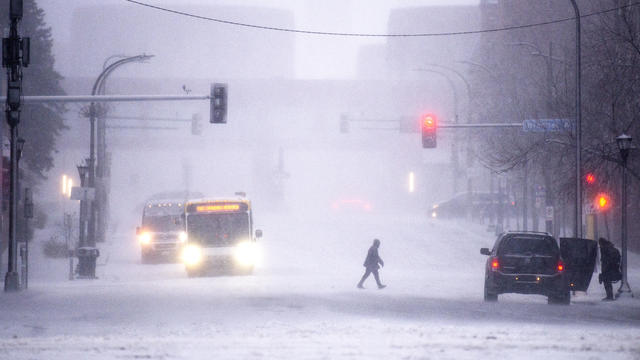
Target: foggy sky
{"type": "Point", "coordinates": [316, 57]}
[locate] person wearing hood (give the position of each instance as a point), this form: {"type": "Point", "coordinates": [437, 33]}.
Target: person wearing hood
{"type": "Point", "coordinates": [610, 267]}
{"type": "Point", "coordinates": [372, 263]}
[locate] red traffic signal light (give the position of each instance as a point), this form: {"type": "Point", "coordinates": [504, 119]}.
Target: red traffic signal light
{"type": "Point", "coordinates": [590, 178]}
{"type": "Point", "coordinates": [429, 122]}
{"type": "Point", "coordinates": [429, 125]}
{"type": "Point", "coordinates": [603, 202]}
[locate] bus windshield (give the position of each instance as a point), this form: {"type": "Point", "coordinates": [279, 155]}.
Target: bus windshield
{"type": "Point", "coordinates": [163, 223]}
{"type": "Point", "coordinates": [220, 229]}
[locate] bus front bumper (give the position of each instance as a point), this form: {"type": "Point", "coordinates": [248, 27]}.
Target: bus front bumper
{"type": "Point", "coordinates": [244, 255]}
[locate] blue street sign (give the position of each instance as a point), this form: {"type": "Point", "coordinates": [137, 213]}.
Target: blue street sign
{"type": "Point", "coordinates": [547, 125]}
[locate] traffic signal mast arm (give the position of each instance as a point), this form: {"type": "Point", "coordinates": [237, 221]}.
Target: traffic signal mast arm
{"type": "Point", "coordinates": [480, 125]}
{"type": "Point", "coordinates": [109, 98]}
{"type": "Point", "coordinates": [217, 100]}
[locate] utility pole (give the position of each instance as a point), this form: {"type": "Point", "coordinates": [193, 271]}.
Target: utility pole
{"type": "Point", "coordinates": [578, 210]}
{"type": "Point", "coordinates": [15, 55]}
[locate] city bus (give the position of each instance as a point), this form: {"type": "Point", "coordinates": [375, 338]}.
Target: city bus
{"type": "Point", "coordinates": [162, 232]}
{"type": "Point", "coordinates": [219, 236]}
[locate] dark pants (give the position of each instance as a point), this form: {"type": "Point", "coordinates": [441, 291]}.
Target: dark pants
{"type": "Point", "coordinates": [608, 288]}
{"type": "Point", "coordinates": [373, 271]}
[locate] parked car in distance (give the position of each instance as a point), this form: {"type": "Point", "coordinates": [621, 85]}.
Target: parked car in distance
{"type": "Point", "coordinates": [478, 205]}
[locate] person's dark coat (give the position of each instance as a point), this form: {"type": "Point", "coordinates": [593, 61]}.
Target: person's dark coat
{"type": "Point", "coordinates": [373, 260]}
{"type": "Point", "coordinates": [610, 261]}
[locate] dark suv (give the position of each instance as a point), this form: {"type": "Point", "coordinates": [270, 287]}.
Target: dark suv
{"type": "Point", "coordinates": [526, 263]}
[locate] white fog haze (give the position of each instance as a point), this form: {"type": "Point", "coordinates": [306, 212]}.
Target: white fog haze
{"type": "Point", "coordinates": [404, 121]}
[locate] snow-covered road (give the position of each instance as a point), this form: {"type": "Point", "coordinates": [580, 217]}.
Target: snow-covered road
{"type": "Point", "coordinates": [302, 303]}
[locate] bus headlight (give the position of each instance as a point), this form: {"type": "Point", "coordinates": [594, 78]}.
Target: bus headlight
{"type": "Point", "coordinates": [246, 253]}
{"type": "Point", "coordinates": [182, 237]}
{"type": "Point", "coordinates": [144, 238]}
{"type": "Point", "coordinates": [192, 255]}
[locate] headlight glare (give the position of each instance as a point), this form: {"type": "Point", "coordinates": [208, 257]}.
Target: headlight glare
{"type": "Point", "coordinates": [145, 238]}
{"type": "Point", "coordinates": [192, 255]}
{"type": "Point", "coordinates": [246, 253]}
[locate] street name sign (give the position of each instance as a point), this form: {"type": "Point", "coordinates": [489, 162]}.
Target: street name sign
{"type": "Point", "coordinates": [547, 125]}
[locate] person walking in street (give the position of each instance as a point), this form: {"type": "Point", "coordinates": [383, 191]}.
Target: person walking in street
{"type": "Point", "coordinates": [372, 263]}
{"type": "Point", "coordinates": [610, 267]}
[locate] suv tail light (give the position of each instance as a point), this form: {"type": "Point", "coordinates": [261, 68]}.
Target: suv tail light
{"type": "Point", "coordinates": [560, 266]}
{"type": "Point", "coordinates": [495, 264]}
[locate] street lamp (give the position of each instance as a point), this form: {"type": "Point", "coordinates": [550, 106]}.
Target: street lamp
{"type": "Point", "coordinates": [624, 145]}
{"type": "Point", "coordinates": [98, 87]}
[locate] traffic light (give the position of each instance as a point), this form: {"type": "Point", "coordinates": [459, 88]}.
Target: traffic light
{"type": "Point", "coordinates": [218, 105]}
{"type": "Point", "coordinates": [603, 202]}
{"type": "Point", "coordinates": [15, 9]}
{"type": "Point", "coordinates": [429, 128]}
{"type": "Point", "coordinates": [196, 125]}
{"type": "Point", "coordinates": [590, 178]}
{"type": "Point", "coordinates": [591, 187]}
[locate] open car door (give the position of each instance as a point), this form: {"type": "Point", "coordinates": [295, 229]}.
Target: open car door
{"type": "Point", "coordinates": [579, 256]}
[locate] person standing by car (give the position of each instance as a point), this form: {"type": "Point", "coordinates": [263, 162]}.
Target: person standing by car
{"type": "Point", "coordinates": [610, 267]}
{"type": "Point", "coordinates": [372, 264]}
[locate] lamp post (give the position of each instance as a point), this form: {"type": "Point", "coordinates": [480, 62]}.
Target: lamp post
{"type": "Point", "coordinates": [20, 145]}
{"type": "Point", "coordinates": [624, 145]}
{"type": "Point", "coordinates": [82, 171]}
{"type": "Point", "coordinates": [67, 185]}
{"type": "Point", "coordinates": [98, 206]}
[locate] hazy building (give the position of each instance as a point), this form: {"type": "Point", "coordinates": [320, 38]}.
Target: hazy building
{"type": "Point", "coordinates": [372, 61]}
{"type": "Point", "coordinates": [405, 54]}
{"type": "Point", "coordinates": [183, 46]}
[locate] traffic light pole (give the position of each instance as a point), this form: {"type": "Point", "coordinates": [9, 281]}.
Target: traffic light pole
{"type": "Point", "coordinates": [15, 55]}
{"type": "Point", "coordinates": [578, 128]}
{"type": "Point", "coordinates": [12, 281]}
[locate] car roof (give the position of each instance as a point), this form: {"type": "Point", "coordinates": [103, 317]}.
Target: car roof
{"type": "Point", "coordinates": [526, 232]}
{"type": "Point", "coordinates": [523, 235]}
{"type": "Point", "coordinates": [165, 201]}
